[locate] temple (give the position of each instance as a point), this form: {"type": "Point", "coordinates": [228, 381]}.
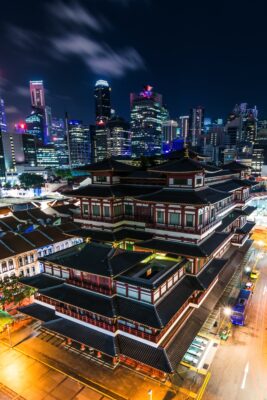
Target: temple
{"type": "Point", "coordinates": [153, 263]}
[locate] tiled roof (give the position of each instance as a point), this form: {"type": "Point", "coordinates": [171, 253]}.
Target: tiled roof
{"type": "Point", "coordinates": [108, 164]}
{"type": "Point", "coordinates": [85, 299]}
{"type": "Point", "coordinates": [153, 356]}
{"type": "Point", "coordinates": [41, 281]}
{"type": "Point", "coordinates": [203, 249]}
{"type": "Point", "coordinates": [97, 258]}
{"type": "Point", "coordinates": [179, 166]}
{"type": "Point", "coordinates": [17, 242]}
{"type": "Point", "coordinates": [210, 272]}
{"type": "Point", "coordinates": [246, 228]}
{"type": "Point", "coordinates": [82, 334]}
{"type": "Point", "coordinates": [37, 311]}
{"type": "Point", "coordinates": [119, 190]}
{"type": "Point", "coordinates": [235, 166]}
{"type": "Point", "coordinates": [108, 236]}
{"type": "Point", "coordinates": [229, 185]}
{"type": "Point", "coordinates": [206, 195]}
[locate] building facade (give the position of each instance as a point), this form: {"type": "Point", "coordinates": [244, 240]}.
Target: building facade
{"type": "Point", "coordinates": [160, 243]}
{"type": "Point", "coordinates": [147, 117]}
{"type": "Point", "coordinates": [196, 125]}
{"type": "Point", "coordinates": [79, 143]}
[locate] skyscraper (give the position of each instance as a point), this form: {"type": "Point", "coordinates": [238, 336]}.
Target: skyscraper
{"type": "Point", "coordinates": [184, 126]}
{"type": "Point", "coordinates": [35, 124]}
{"type": "Point", "coordinates": [196, 125]}
{"type": "Point", "coordinates": [79, 143]}
{"type": "Point", "coordinates": [102, 100]}
{"type": "Point", "coordinates": [59, 140]}
{"type": "Point", "coordinates": [147, 116]}
{"type": "Point", "coordinates": [3, 126]}
{"type": "Point", "coordinates": [37, 94]}
{"type": "Point", "coordinates": [169, 134]}
{"type": "Point", "coordinates": [118, 137]}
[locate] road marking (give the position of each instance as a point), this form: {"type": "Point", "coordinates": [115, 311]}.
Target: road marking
{"type": "Point", "coordinates": [265, 289]}
{"type": "Point", "coordinates": [245, 376]}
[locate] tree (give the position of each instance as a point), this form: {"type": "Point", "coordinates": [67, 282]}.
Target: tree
{"type": "Point", "coordinates": [5, 319]}
{"type": "Point", "coordinates": [12, 291]}
{"type": "Point", "coordinates": [31, 180]}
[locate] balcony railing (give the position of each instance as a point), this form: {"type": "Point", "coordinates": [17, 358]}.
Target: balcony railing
{"type": "Point", "coordinates": [86, 318]}
{"type": "Point", "coordinates": [90, 286]}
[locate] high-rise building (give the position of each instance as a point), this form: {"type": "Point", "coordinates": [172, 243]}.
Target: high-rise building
{"type": "Point", "coordinates": [59, 140]}
{"type": "Point", "coordinates": [79, 143]}
{"type": "Point", "coordinates": [37, 94]}
{"type": "Point", "coordinates": [147, 116]}
{"type": "Point", "coordinates": [241, 126]}
{"type": "Point", "coordinates": [47, 157]}
{"type": "Point", "coordinates": [169, 134]}
{"type": "Point", "coordinates": [35, 125]}
{"type": "Point", "coordinates": [3, 126]}
{"type": "Point", "coordinates": [48, 125]}
{"type": "Point", "coordinates": [100, 141]}
{"type": "Point", "coordinates": [19, 148]}
{"type": "Point", "coordinates": [102, 100]}
{"type": "Point", "coordinates": [184, 127]}
{"type": "Point", "coordinates": [196, 125]}
{"type": "Point", "coordinates": [118, 137]}
{"type": "Point", "coordinates": [2, 158]}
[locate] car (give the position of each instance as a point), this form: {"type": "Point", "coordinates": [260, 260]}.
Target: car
{"type": "Point", "coordinates": [249, 286]}
{"type": "Point", "coordinates": [255, 274]}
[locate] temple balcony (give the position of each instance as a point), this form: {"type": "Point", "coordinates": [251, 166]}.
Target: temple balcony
{"type": "Point", "coordinates": [85, 317]}
{"type": "Point", "coordinates": [90, 286]}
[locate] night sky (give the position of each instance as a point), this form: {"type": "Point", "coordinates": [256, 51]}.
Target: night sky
{"type": "Point", "coordinates": [206, 53]}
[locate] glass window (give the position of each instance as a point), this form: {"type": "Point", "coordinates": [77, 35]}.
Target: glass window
{"type": "Point", "coordinates": [85, 209]}
{"type": "Point", "coordinates": [4, 266]}
{"type": "Point", "coordinates": [160, 217]}
{"type": "Point", "coordinates": [118, 210]}
{"type": "Point", "coordinates": [96, 211]}
{"type": "Point", "coordinates": [177, 181]}
{"type": "Point", "coordinates": [200, 219]}
{"type": "Point", "coordinates": [10, 264]}
{"type": "Point", "coordinates": [146, 297]}
{"type": "Point", "coordinates": [106, 211]}
{"type": "Point", "coordinates": [174, 219]}
{"type": "Point", "coordinates": [121, 290]}
{"type": "Point", "coordinates": [128, 209]}
{"type": "Point", "coordinates": [189, 220]}
{"type": "Point", "coordinates": [133, 293]}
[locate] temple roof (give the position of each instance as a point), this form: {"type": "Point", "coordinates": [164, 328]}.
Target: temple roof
{"type": "Point", "coordinates": [108, 164]}
{"type": "Point", "coordinates": [205, 195]}
{"type": "Point", "coordinates": [107, 191]}
{"type": "Point", "coordinates": [96, 258]}
{"type": "Point", "coordinates": [235, 166]}
{"type": "Point", "coordinates": [183, 165]}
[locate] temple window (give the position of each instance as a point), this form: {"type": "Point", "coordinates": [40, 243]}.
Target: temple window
{"type": "Point", "coordinates": [160, 217]}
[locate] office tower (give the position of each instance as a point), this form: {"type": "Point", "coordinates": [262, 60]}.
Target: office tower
{"type": "Point", "coordinates": [59, 140]}
{"type": "Point", "coordinates": [2, 158]}
{"type": "Point", "coordinates": [47, 157]}
{"type": "Point", "coordinates": [102, 100]}
{"type": "Point", "coordinates": [19, 148]}
{"type": "Point", "coordinates": [207, 124]}
{"type": "Point", "coordinates": [169, 134]}
{"type": "Point", "coordinates": [35, 125]}
{"type": "Point", "coordinates": [249, 125]}
{"type": "Point", "coordinates": [48, 125]}
{"type": "Point", "coordinates": [147, 116]}
{"type": "Point", "coordinates": [100, 141]}
{"type": "Point", "coordinates": [37, 94]}
{"type": "Point", "coordinates": [184, 126]}
{"type": "Point", "coordinates": [196, 125]}
{"type": "Point", "coordinates": [3, 126]}
{"type": "Point", "coordinates": [118, 137]}
{"type": "Point", "coordinates": [79, 143]}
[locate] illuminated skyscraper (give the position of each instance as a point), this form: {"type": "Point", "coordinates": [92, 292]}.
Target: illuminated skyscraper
{"type": "Point", "coordinates": [35, 124]}
{"type": "Point", "coordinates": [118, 137]}
{"type": "Point", "coordinates": [79, 143]}
{"type": "Point", "coordinates": [3, 126]}
{"type": "Point", "coordinates": [37, 94]}
{"type": "Point", "coordinates": [59, 140]}
{"type": "Point", "coordinates": [196, 125]}
{"type": "Point", "coordinates": [102, 100]}
{"type": "Point", "coordinates": [184, 127]}
{"type": "Point", "coordinates": [147, 116]}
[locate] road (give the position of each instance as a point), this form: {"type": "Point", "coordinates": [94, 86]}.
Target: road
{"type": "Point", "coordinates": [239, 369]}
{"type": "Point", "coordinates": [22, 377]}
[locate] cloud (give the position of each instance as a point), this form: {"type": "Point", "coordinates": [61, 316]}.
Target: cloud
{"type": "Point", "coordinates": [12, 110]}
{"type": "Point", "coordinates": [76, 14]}
{"type": "Point", "coordinates": [22, 37]}
{"type": "Point", "coordinates": [22, 91]}
{"type": "Point", "coordinates": [99, 57]}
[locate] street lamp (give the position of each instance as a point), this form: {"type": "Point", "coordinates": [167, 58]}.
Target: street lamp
{"type": "Point", "coordinates": [227, 311]}
{"type": "Point", "coordinates": [150, 393]}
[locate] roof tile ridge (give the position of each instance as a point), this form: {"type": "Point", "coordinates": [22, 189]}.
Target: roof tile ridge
{"type": "Point", "coordinates": [5, 245]}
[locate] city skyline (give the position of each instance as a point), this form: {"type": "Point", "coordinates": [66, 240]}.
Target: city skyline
{"type": "Point", "coordinates": [169, 59]}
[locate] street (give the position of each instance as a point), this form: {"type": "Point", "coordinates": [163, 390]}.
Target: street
{"type": "Point", "coordinates": [239, 369]}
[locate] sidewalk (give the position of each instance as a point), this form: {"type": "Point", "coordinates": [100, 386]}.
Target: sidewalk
{"type": "Point", "coordinates": [121, 383]}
